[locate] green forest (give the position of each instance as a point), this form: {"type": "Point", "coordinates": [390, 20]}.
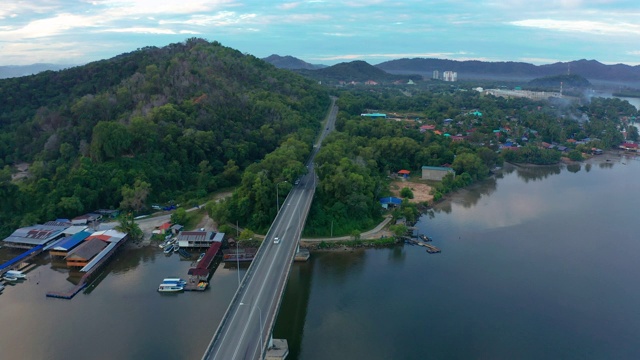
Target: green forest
{"type": "Point", "coordinates": [152, 126]}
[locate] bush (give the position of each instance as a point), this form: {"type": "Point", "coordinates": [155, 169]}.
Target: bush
{"type": "Point", "coordinates": [406, 193]}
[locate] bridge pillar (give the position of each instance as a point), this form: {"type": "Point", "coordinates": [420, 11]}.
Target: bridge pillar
{"type": "Point", "coordinates": [278, 349]}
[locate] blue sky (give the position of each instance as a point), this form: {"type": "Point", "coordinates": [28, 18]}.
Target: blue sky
{"type": "Point", "coordinates": [326, 31]}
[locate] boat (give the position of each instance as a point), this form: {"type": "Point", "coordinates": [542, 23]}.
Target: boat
{"type": "Point", "coordinates": [168, 249]}
{"type": "Point", "coordinates": [202, 285]}
{"type": "Point", "coordinates": [177, 281]}
{"type": "Point", "coordinates": [16, 274]}
{"type": "Point", "coordinates": [424, 237]}
{"type": "Point", "coordinates": [176, 247]}
{"type": "Point", "coordinates": [200, 257]}
{"type": "Point", "coordinates": [9, 278]}
{"type": "Point", "coordinates": [170, 287]}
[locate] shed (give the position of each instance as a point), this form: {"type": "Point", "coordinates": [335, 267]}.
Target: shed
{"type": "Point", "coordinates": [436, 172]}
{"type": "Point", "coordinates": [404, 173]}
{"type": "Point", "coordinates": [390, 201]}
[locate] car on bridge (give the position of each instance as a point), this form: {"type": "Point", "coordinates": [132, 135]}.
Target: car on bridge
{"type": "Point", "coordinates": [276, 240]}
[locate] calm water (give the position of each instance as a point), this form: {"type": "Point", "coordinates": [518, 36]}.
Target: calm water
{"type": "Point", "coordinates": [537, 264]}
{"type": "Point", "coordinates": [540, 263]}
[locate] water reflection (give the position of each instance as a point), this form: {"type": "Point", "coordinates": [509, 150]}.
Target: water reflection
{"type": "Point", "coordinates": [574, 168]}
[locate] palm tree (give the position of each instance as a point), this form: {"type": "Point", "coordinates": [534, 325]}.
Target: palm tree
{"type": "Point", "coordinates": [128, 225]}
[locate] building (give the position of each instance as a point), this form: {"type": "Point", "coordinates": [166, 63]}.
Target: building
{"type": "Point", "coordinates": [436, 172]}
{"type": "Point", "coordinates": [390, 201]}
{"type": "Point", "coordinates": [436, 75]}
{"type": "Point", "coordinates": [86, 219]}
{"type": "Point", "coordinates": [64, 246]}
{"type": "Point", "coordinates": [82, 254]}
{"type": "Point", "coordinates": [450, 76]}
{"type": "Point", "coordinates": [375, 115]}
{"type": "Point", "coordinates": [198, 239]}
{"type": "Point", "coordinates": [32, 236]}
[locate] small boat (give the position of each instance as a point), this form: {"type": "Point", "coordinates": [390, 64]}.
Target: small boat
{"type": "Point", "coordinates": [170, 287]}
{"type": "Point", "coordinates": [200, 257]}
{"type": "Point", "coordinates": [178, 281]}
{"type": "Point", "coordinates": [16, 274]}
{"type": "Point", "coordinates": [168, 249]}
{"type": "Point", "coordinates": [176, 247]}
{"type": "Point", "coordinates": [8, 278]}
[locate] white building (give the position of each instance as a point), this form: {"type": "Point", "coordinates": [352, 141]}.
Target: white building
{"type": "Point", "coordinates": [436, 75]}
{"type": "Point", "coordinates": [450, 76]}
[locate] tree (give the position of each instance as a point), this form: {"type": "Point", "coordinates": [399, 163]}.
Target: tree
{"type": "Point", "coordinates": [632, 133]}
{"type": "Point", "coordinates": [399, 230]}
{"type": "Point", "coordinates": [179, 216]}
{"type": "Point", "coordinates": [128, 226]}
{"type": "Point", "coordinates": [133, 198]}
{"type": "Point", "coordinates": [406, 193]}
{"type": "Point", "coordinates": [246, 234]}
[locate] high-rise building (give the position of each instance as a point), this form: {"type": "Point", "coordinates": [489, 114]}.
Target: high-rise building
{"type": "Point", "coordinates": [450, 76]}
{"type": "Point", "coordinates": [436, 75]}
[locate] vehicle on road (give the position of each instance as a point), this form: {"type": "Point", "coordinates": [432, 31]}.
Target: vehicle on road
{"type": "Point", "coordinates": [276, 240]}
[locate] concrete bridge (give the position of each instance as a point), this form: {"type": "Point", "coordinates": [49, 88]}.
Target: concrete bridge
{"type": "Point", "coordinates": [245, 330]}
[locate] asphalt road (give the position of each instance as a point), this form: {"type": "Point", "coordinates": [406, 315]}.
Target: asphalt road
{"type": "Point", "coordinates": [247, 325]}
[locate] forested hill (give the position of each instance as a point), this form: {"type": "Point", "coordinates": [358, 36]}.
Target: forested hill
{"type": "Point", "coordinates": [152, 125]}
{"type": "Point", "coordinates": [290, 62]}
{"type": "Point", "coordinates": [590, 69]}
{"type": "Point", "coordinates": [358, 71]}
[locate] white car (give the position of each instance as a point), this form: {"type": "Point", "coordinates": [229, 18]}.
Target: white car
{"type": "Point", "coordinates": [276, 240]}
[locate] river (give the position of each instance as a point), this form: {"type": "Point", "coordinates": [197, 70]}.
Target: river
{"type": "Point", "coordinates": [538, 262]}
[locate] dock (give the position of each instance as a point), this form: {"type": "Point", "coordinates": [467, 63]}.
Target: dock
{"type": "Point", "coordinates": [418, 241]}
{"type": "Point", "coordinates": [84, 281]}
{"type": "Point", "coordinates": [199, 275]}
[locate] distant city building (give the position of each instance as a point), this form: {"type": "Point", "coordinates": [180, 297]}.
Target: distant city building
{"type": "Point", "coordinates": [450, 76]}
{"type": "Point", "coordinates": [436, 75]}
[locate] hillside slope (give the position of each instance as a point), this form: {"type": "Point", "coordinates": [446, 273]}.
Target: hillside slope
{"type": "Point", "coordinates": [152, 125]}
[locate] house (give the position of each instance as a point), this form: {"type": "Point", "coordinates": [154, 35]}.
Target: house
{"type": "Point", "coordinates": [390, 202]}
{"type": "Point", "coordinates": [629, 147]}
{"type": "Point", "coordinates": [458, 138]}
{"type": "Point", "coordinates": [424, 128]}
{"type": "Point", "coordinates": [370, 82]}
{"type": "Point", "coordinates": [436, 172]}
{"type": "Point", "coordinates": [198, 239]}
{"type": "Point", "coordinates": [86, 219]}
{"type": "Point", "coordinates": [175, 229]}
{"type": "Point", "coordinates": [81, 255]}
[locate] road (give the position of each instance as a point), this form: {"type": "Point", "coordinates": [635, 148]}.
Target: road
{"type": "Point", "coordinates": [247, 325]}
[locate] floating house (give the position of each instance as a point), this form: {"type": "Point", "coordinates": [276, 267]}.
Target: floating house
{"type": "Point", "coordinates": [198, 239]}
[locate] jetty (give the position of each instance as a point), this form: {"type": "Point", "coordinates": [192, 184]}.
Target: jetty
{"type": "Point", "coordinates": [199, 276]}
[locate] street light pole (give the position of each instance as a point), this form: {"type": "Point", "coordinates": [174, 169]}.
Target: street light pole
{"type": "Point", "coordinates": [238, 262]}
{"type": "Point", "coordinates": [278, 196]}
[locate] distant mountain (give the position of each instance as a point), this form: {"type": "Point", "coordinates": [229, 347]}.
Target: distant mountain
{"type": "Point", "coordinates": [568, 81]}
{"type": "Point", "coordinates": [358, 71]}
{"type": "Point", "coordinates": [290, 62]}
{"type": "Point", "coordinates": [10, 71]}
{"type": "Point", "coordinates": [590, 69]}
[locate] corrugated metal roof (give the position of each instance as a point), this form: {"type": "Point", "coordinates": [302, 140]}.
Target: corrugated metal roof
{"type": "Point", "coordinates": [70, 242]}
{"type": "Point", "coordinates": [98, 257]}
{"type": "Point", "coordinates": [87, 250]}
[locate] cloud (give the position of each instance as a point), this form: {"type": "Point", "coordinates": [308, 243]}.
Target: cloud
{"type": "Point", "coordinates": [581, 26]}
{"type": "Point", "coordinates": [141, 30]}
{"type": "Point", "coordinates": [222, 18]}
{"type": "Point", "coordinates": [47, 27]}
{"type": "Point", "coordinates": [288, 6]}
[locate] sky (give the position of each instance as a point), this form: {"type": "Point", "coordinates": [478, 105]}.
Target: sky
{"type": "Point", "coordinates": [75, 32]}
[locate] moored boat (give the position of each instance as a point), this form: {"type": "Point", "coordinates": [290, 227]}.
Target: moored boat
{"type": "Point", "coordinates": [16, 274]}
{"type": "Point", "coordinates": [176, 247]}
{"type": "Point", "coordinates": [170, 287]}
{"type": "Point", "coordinates": [200, 257]}
{"type": "Point", "coordinates": [168, 249]}
{"type": "Point", "coordinates": [178, 281]}
{"type": "Point", "coordinates": [9, 278]}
